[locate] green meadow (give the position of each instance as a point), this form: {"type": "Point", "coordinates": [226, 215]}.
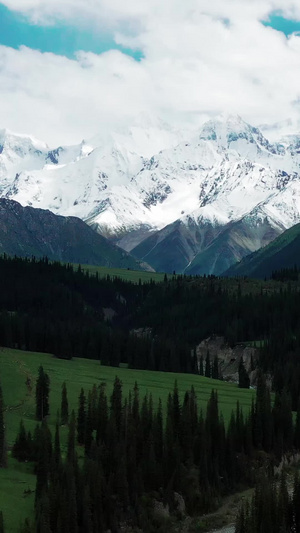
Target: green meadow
{"type": "Point", "coordinates": [126, 274]}
{"type": "Point", "coordinates": [18, 373]}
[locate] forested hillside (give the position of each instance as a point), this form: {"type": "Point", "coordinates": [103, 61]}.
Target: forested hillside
{"type": "Point", "coordinates": [53, 308]}
{"type": "Point", "coordinates": [137, 456]}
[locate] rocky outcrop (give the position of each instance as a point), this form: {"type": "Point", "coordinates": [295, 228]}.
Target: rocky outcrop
{"type": "Point", "coordinates": [228, 357]}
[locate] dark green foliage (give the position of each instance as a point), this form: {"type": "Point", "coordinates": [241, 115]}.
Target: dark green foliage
{"type": "Point", "coordinates": [131, 457]}
{"type": "Point", "coordinates": [3, 451]}
{"type": "Point", "coordinates": [54, 308]}
{"type": "Point", "coordinates": [27, 527]}
{"type": "Point", "coordinates": [2, 530]}
{"type": "Point", "coordinates": [244, 380]}
{"type": "Point", "coordinates": [116, 403]}
{"type": "Point", "coordinates": [71, 452]}
{"type": "Point", "coordinates": [81, 418]}
{"type": "Point", "coordinates": [207, 366]}
{"type": "Point", "coordinates": [272, 508]}
{"type": "Point", "coordinates": [23, 447]}
{"type": "Point", "coordinates": [64, 410]}
{"type": "Point", "coordinates": [42, 394]}
{"type": "Point", "coordinates": [43, 464]}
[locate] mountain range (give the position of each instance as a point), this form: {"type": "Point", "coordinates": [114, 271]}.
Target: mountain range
{"type": "Point", "coordinates": [193, 201]}
{"type": "Point", "coordinates": [27, 232]}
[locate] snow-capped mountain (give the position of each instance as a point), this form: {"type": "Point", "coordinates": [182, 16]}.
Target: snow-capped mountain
{"type": "Point", "coordinates": [159, 195]}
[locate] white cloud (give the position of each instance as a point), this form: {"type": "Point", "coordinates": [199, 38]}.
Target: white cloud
{"type": "Point", "coordinates": [194, 65]}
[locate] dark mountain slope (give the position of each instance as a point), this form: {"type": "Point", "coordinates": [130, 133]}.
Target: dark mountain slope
{"type": "Point", "coordinates": [236, 241]}
{"type": "Point", "coordinates": [26, 231]}
{"type": "Point", "coordinates": [283, 252]}
{"type": "Point", "coordinates": [204, 248]}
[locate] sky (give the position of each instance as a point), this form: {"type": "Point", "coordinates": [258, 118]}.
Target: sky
{"type": "Point", "coordinates": [70, 69]}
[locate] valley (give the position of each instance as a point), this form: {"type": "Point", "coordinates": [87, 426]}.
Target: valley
{"type": "Point", "coordinates": [154, 419]}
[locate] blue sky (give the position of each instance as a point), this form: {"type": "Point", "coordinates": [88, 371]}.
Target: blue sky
{"type": "Point", "coordinates": [279, 23]}
{"type": "Point", "coordinates": [61, 39]}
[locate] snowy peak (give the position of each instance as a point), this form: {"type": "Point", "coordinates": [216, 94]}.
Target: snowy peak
{"type": "Point", "coordinates": [233, 133]}
{"type": "Point", "coordinates": [149, 176]}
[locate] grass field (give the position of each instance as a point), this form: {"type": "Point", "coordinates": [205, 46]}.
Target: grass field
{"type": "Point", "coordinates": [16, 367]}
{"type": "Point", "coordinates": [127, 275]}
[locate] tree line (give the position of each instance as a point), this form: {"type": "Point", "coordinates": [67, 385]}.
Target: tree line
{"type": "Point", "coordinates": [50, 307]}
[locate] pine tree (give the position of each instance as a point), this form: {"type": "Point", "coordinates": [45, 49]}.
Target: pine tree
{"type": "Point", "coordinates": [42, 394]}
{"type": "Point", "coordinates": [88, 437]}
{"type": "Point", "coordinates": [3, 455]}
{"type": "Point", "coordinates": [43, 462]}
{"type": "Point", "coordinates": [244, 380]}
{"type": "Point", "coordinates": [207, 366]}
{"type": "Point", "coordinates": [215, 368]}
{"type": "Point", "coordinates": [71, 453]}
{"type": "Point", "coordinates": [201, 369]}
{"type": "Point", "coordinates": [57, 451]}
{"type": "Point", "coordinates": [102, 414]}
{"type": "Point", "coordinates": [116, 403]}
{"type": "Point", "coordinates": [64, 410]}
{"type": "Point", "coordinates": [22, 448]}
{"type": "Point", "coordinates": [81, 418]}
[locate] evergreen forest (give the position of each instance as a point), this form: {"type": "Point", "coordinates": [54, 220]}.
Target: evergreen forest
{"type": "Point", "coordinates": [128, 460]}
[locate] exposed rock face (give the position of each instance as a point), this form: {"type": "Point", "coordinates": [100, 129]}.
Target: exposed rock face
{"type": "Point", "coordinates": [229, 358]}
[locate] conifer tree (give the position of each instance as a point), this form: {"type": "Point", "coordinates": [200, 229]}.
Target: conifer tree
{"type": "Point", "coordinates": [3, 456]}
{"type": "Point", "coordinates": [207, 366]}
{"type": "Point", "coordinates": [71, 454]}
{"type": "Point", "coordinates": [57, 451]}
{"type": "Point", "coordinates": [22, 448]}
{"type": "Point", "coordinates": [88, 437]}
{"type": "Point", "coordinates": [42, 394]}
{"type": "Point", "coordinates": [43, 462]}
{"type": "Point", "coordinates": [215, 368]}
{"type": "Point", "coordinates": [102, 414]}
{"type": "Point", "coordinates": [64, 410]}
{"type": "Point", "coordinates": [116, 403]}
{"type": "Point", "coordinates": [244, 380]}
{"type": "Point", "coordinates": [81, 418]}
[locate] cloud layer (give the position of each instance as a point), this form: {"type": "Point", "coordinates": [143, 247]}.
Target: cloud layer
{"type": "Point", "coordinates": [201, 58]}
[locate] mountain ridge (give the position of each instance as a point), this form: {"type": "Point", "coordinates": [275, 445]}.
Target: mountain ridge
{"type": "Point", "coordinates": [283, 252]}
{"type": "Point", "coordinates": [27, 231]}
{"type": "Point", "coordinates": [223, 173]}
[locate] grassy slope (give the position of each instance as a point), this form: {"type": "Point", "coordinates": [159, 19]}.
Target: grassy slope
{"type": "Point", "coordinates": [125, 274]}
{"type": "Point", "coordinates": [16, 366]}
